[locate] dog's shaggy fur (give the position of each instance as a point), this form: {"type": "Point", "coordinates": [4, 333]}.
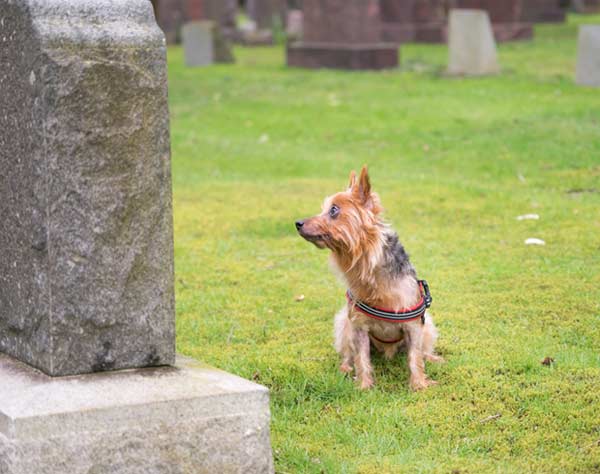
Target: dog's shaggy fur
{"type": "Point", "coordinates": [376, 269]}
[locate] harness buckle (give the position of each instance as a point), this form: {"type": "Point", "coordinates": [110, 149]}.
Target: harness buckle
{"type": "Point", "coordinates": [427, 296]}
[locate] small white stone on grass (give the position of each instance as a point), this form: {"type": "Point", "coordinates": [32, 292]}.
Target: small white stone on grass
{"type": "Point", "coordinates": [534, 241]}
{"type": "Point", "coordinates": [526, 217]}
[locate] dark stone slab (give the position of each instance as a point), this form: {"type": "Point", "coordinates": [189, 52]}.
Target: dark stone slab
{"type": "Point", "coordinates": [543, 11]}
{"type": "Point", "coordinates": [341, 56]}
{"type": "Point", "coordinates": [342, 21]}
{"type": "Point", "coordinates": [342, 34]}
{"type": "Point", "coordinates": [422, 21]}
{"type": "Point", "coordinates": [505, 15]}
{"type": "Point", "coordinates": [86, 268]}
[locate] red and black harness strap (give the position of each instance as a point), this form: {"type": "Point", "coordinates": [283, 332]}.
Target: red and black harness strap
{"type": "Point", "coordinates": [407, 315]}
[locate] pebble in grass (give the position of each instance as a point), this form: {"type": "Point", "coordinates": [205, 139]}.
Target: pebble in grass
{"type": "Point", "coordinates": [526, 217]}
{"type": "Point", "coordinates": [534, 241]}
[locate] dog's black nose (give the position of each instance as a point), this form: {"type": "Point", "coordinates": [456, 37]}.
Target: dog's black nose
{"type": "Point", "coordinates": [299, 224]}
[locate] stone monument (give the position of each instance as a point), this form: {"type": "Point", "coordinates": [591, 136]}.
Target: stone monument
{"type": "Point", "coordinates": [421, 21]}
{"type": "Point", "coordinates": [588, 56]}
{"type": "Point", "coordinates": [471, 46]}
{"type": "Point", "coordinates": [342, 34]}
{"type": "Point", "coordinates": [86, 275]}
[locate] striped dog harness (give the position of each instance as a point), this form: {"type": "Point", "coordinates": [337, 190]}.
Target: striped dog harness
{"type": "Point", "coordinates": [407, 315]}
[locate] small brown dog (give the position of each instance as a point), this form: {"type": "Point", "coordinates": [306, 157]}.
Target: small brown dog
{"type": "Point", "coordinates": [378, 274]}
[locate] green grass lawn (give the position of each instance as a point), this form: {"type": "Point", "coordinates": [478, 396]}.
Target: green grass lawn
{"type": "Point", "coordinates": [257, 145]}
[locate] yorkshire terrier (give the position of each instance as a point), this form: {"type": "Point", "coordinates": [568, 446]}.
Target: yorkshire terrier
{"type": "Point", "coordinates": [386, 304]}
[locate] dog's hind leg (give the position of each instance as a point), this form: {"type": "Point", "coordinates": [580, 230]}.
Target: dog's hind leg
{"type": "Point", "coordinates": [430, 335]}
{"type": "Point", "coordinates": [344, 339]}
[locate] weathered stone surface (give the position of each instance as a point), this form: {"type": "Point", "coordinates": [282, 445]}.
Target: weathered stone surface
{"type": "Point", "coordinates": [342, 34]}
{"type": "Point", "coordinates": [168, 420]}
{"type": "Point", "coordinates": [588, 56]}
{"type": "Point", "coordinates": [471, 46]}
{"type": "Point", "coordinates": [86, 271]}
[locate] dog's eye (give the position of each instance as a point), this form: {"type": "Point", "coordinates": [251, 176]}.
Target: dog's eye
{"type": "Point", "coordinates": [334, 211]}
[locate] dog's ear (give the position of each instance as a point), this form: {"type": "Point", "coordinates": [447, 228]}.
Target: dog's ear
{"type": "Point", "coordinates": [364, 186]}
{"type": "Point", "coordinates": [352, 179]}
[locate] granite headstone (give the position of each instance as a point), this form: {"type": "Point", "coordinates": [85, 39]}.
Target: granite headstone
{"type": "Point", "coordinates": [86, 268]}
{"type": "Point", "coordinates": [471, 45]}
{"type": "Point", "coordinates": [588, 56]}
{"type": "Point", "coordinates": [342, 34]}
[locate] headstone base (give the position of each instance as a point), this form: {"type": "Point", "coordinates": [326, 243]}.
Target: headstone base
{"type": "Point", "coordinates": [186, 418]}
{"type": "Point", "coordinates": [343, 56]}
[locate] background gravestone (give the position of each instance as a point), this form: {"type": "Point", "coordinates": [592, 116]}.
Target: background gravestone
{"type": "Point", "coordinates": [203, 44]}
{"type": "Point", "coordinates": [342, 34]}
{"type": "Point", "coordinates": [86, 271]}
{"type": "Point", "coordinates": [506, 17]}
{"type": "Point", "coordinates": [413, 21]}
{"type": "Point", "coordinates": [588, 56]}
{"type": "Point", "coordinates": [198, 43]}
{"type": "Point", "coordinates": [471, 46]}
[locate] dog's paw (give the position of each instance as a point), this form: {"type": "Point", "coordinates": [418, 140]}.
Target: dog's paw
{"type": "Point", "coordinates": [421, 384]}
{"type": "Point", "coordinates": [366, 383]}
{"type": "Point", "coordinates": [346, 368]}
{"type": "Point", "coordinates": [434, 358]}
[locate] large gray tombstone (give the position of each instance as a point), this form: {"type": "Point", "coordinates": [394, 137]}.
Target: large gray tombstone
{"type": "Point", "coordinates": [471, 45]}
{"type": "Point", "coordinates": [86, 268]}
{"type": "Point", "coordinates": [86, 260]}
{"type": "Point", "coordinates": [588, 56]}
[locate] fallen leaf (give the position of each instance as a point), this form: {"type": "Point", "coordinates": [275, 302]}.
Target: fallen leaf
{"type": "Point", "coordinates": [491, 417]}
{"type": "Point", "coordinates": [299, 298]}
{"type": "Point", "coordinates": [547, 361]}
{"type": "Point", "coordinates": [534, 241]}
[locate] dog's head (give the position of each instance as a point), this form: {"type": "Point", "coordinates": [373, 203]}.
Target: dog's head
{"type": "Point", "coordinates": [349, 221]}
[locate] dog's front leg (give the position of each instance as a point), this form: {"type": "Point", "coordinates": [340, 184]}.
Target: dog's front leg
{"type": "Point", "coordinates": [362, 359]}
{"type": "Point", "coordinates": [416, 362]}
